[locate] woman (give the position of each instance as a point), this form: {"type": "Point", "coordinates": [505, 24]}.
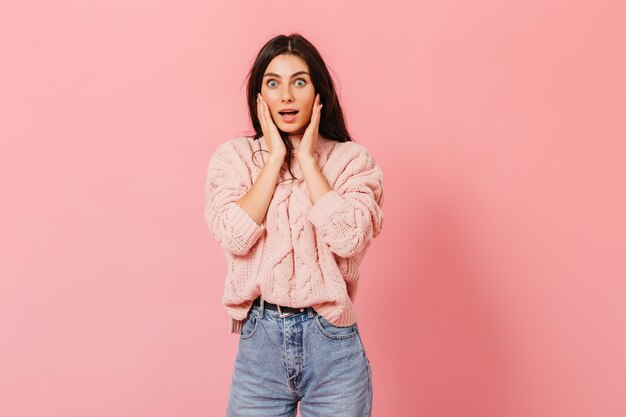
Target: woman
{"type": "Point", "coordinates": [295, 208]}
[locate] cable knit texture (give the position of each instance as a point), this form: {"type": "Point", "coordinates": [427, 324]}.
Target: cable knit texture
{"type": "Point", "coordinates": [303, 254]}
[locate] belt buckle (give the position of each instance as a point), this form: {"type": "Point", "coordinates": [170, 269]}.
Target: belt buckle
{"type": "Point", "coordinates": [283, 315]}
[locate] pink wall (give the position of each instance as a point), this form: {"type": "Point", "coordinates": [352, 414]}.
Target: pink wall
{"type": "Point", "coordinates": [495, 290]}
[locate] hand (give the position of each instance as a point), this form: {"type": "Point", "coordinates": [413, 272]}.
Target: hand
{"type": "Point", "coordinates": [270, 131]}
{"type": "Point", "coordinates": [309, 139]}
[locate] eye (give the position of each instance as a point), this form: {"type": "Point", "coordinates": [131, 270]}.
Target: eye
{"type": "Point", "coordinates": [303, 82]}
{"type": "Point", "coordinates": [270, 81]}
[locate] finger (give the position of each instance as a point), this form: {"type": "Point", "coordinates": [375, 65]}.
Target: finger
{"type": "Point", "coordinates": [261, 114]}
{"type": "Point", "coordinates": [265, 111]}
{"type": "Point", "coordinates": [268, 116]}
{"type": "Point", "coordinates": [318, 112]}
{"type": "Point", "coordinates": [258, 107]}
{"type": "Point", "coordinates": [314, 108]}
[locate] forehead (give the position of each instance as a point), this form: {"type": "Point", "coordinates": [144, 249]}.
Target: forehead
{"type": "Point", "coordinates": [286, 64]}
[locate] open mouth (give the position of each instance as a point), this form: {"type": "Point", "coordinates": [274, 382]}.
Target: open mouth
{"type": "Point", "coordinates": [289, 115]}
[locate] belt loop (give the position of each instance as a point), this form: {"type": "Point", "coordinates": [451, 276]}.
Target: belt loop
{"type": "Point", "coordinates": [311, 312]}
{"type": "Point", "coordinates": [262, 307]}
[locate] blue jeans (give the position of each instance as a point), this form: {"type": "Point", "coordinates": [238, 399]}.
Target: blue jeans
{"type": "Point", "coordinates": [299, 358]}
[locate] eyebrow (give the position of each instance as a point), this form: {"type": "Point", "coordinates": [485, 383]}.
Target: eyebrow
{"type": "Point", "coordinates": [271, 74]}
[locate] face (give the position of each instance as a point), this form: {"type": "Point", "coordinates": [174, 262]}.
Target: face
{"type": "Point", "coordinates": [287, 85]}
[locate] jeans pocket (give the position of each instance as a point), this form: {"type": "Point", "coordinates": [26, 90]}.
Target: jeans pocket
{"type": "Point", "coordinates": [249, 326]}
{"type": "Point", "coordinates": [335, 332]}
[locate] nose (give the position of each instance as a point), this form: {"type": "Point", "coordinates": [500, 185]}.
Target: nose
{"type": "Point", "coordinates": [286, 95]}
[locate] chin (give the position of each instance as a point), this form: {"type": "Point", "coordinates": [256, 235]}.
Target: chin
{"type": "Point", "coordinates": [291, 129]}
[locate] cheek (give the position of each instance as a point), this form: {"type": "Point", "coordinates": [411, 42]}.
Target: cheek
{"type": "Point", "coordinates": [271, 103]}
{"type": "Point", "coordinates": [309, 111]}
{"type": "Point", "coordinates": [269, 96]}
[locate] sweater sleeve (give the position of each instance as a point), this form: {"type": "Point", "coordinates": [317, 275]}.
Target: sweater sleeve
{"type": "Point", "coordinates": [229, 224]}
{"type": "Point", "coordinates": [350, 215]}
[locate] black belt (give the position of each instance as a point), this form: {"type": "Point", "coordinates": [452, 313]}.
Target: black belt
{"type": "Point", "coordinates": [283, 310]}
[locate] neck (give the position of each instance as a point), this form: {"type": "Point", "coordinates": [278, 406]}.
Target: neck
{"type": "Point", "coordinates": [295, 140]}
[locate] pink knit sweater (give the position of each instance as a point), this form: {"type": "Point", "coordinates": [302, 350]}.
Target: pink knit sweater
{"type": "Point", "coordinates": [302, 254]}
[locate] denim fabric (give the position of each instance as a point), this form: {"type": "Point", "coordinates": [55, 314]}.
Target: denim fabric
{"type": "Point", "coordinates": [302, 359]}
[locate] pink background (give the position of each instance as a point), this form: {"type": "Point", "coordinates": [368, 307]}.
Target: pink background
{"type": "Point", "coordinates": [495, 290]}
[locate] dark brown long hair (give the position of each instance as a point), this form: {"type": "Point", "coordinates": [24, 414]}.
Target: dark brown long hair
{"type": "Point", "coordinates": [332, 123]}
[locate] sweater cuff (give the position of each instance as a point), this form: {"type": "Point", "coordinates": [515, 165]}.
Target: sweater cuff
{"type": "Point", "coordinates": [236, 325]}
{"type": "Point", "coordinates": [329, 203]}
{"type": "Point", "coordinates": [244, 224]}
